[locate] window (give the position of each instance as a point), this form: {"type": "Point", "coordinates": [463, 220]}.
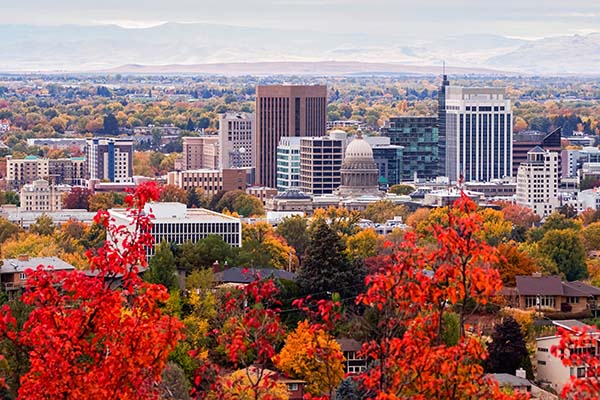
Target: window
{"type": "Point", "coordinates": [292, 387]}
{"type": "Point", "coordinates": [572, 300]}
{"type": "Point", "coordinates": [542, 349]}
{"type": "Point", "coordinates": [540, 362]}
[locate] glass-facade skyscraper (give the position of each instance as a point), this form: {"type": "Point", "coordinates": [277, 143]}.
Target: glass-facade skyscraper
{"type": "Point", "coordinates": [419, 138]}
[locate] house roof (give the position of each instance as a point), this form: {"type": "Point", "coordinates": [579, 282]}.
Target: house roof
{"type": "Point", "coordinates": [571, 324]}
{"type": "Point", "coordinates": [248, 275]}
{"type": "Point", "coordinates": [349, 344]}
{"type": "Point", "coordinates": [539, 285]}
{"type": "Point", "coordinates": [510, 380]}
{"type": "Point", "coordinates": [12, 265]}
{"type": "Point", "coordinates": [584, 287]}
{"type": "Point", "coordinates": [573, 290]}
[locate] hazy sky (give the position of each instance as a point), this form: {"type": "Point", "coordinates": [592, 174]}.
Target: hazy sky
{"type": "Point", "coordinates": [518, 18]}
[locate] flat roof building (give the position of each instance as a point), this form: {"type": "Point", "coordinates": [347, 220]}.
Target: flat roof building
{"type": "Point", "coordinates": [175, 223]}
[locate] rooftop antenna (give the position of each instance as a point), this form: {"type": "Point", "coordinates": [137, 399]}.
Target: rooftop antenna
{"type": "Point", "coordinates": [444, 67]}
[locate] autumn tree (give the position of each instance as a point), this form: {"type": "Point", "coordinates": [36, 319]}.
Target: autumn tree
{"type": "Point", "coordinates": [513, 261]}
{"type": "Point", "coordinates": [294, 230]}
{"type": "Point", "coordinates": [314, 356]}
{"type": "Point", "coordinates": [249, 337]}
{"type": "Point", "coordinates": [401, 189]}
{"type": "Point", "coordinates": [101, 342]}
{"type": "Point", "coordinates": [364, 244]}
{"type": "Point", "coordinates": [173, 193]}
{"type": "Point", "coordinates": [262, 247]}
{"type": "Point", "coordinates": [410, 358]}
{"type": "Point", "coordinates": [105, 200]}
{"type": "Point", "coordinates": [507, 351]}
{"type": "Point", "coordinates": [44, 226]}
{"type": "Point", "coordinates": [7, 229]}
{"type": "Point", "coordinates": [383, 210]}
{"type": "Point", "coordinates": [77, 198]}
{"type": "Point", "coordinates": [565, 248]}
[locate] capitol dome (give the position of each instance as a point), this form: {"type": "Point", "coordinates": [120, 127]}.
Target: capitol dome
{"type": "Point", "coordinates": [359, 149]}
{"type": "Point", "coordinates": [359, 171]}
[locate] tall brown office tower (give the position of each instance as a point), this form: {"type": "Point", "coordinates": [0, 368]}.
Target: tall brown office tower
{"type": "Point", "coordinates": [283, 110]}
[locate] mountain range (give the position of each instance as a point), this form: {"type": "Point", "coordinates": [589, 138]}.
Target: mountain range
{"type": "Point", "coordinates": [226, 49]}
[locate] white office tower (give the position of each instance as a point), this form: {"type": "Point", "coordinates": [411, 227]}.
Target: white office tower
{"type": "Point", "coordinates": [236, 131]}
{"type": "Point", "coordinates": [537, 182]}
{"type": "Point", "coordinates": [288, 163]}
{"type": "Point", "coordinates": [478, 137]}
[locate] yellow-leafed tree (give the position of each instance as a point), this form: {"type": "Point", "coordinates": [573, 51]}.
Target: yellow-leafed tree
{"type": "Point", "coordinates": [245, 384]}
{"type": "Point", "coordinates": [314, 356]}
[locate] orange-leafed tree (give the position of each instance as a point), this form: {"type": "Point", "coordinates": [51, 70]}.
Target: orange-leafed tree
{"type": "Point", "coordinates": [412, 294]}
{"type": "Point", "coordinates": [88, 340]}
{"type": "Point", "coordinates": [313, 355]}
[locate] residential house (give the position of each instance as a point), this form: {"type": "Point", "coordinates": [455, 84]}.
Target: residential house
{"type": "Point", "coordinates": [12, 271]}
{"type": "Point", "coordinates": [353, 363]}
{"type": "Point", "coordinates": [550, 369]}
{"type": "Point", "coordinates": [550, 293]}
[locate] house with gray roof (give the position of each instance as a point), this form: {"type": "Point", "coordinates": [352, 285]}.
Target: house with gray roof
{"type": "Point", "coordinates": [551, 293]}
{"type": "Point", "coordinates": [12, 272]}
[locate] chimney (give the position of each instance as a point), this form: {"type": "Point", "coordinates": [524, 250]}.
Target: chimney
{"type": "Point", "coordinates": [23, 257]}
{"type": "Point", "coordinates": [520, 373]}
{"type": "Point", "coordinates": [216, 267]}
{"type": "Point", "coordinates": [537, 274]}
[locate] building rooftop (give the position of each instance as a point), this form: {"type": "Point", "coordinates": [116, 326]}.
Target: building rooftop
{"type": "Point", "coordinates": [177, 212]}
{"type": "Point", "coordinates": [248, 275]}
{"type": "Point", "coordinates": [11, 265]}
{"type": "Point", "coordinates": [539, 285]}
{"type": "Point", "coordinates": [510, 380]}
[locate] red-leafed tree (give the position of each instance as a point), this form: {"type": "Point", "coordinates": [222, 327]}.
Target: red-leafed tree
{"type": "Point", "coordinates": [87, 340]}
{"type": "Point", "coordinates": [77, 198]}
{"type": "Point", "coordinates": [250, 334]}
{"type": "Point", "coordinates": [577, 349]}
{"type": "Point", "coordinates": [411, 295]}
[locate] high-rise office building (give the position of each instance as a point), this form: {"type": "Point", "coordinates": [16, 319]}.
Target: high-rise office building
{"type": "Point", "coordinates": [110, 158]}
{"type": "Point", "coordinates": [419, 138]}
{"type": "Point", "coordinates": [478, 134]}
{"type": "Point", "coordinates": [441, 123]}
{"type": "Point", "coordinates": [389, 162]}
{"type": "Point", "coordinates": [525, 141]}
{"type": "Point", "coordinates": [537, 181]}
{"type": "Point", "coordinates": [320, 163]}
{"type": "Point", "coordinates": [283, 110]}
{"type": "Point", "coordinates": [200, 152]}
{"type": "Point", "coordinates": [236, 132]}
{"type": "Point", "coordinates": [288, 163]}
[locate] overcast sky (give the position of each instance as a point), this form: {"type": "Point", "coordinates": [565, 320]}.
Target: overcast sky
{"type": "Point", "coordinates": [516, 18]}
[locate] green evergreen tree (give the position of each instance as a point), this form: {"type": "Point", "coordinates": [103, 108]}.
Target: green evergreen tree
{"type": "Point", "coordinates": [507, 350]}
{"type": "Point", "coordinates": [193, 200]}
{"type": "Point", "coordinates": [326, 269]}
{"type": "Point", "coordinates": [110, 125]}
{"type": "Point", "coordinates": [162, 268]}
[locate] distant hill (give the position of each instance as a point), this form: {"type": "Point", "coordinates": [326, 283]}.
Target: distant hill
{"type": "Point", "coordinates": [297, 68]}
{"type": "Point", "coordinates": [204, 48]}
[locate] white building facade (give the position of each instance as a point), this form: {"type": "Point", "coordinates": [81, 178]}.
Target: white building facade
{"type": "Point", "coordinates": [236, 148]}
{"type": "Point", "coordinates": [479, 134]}
{"type": "Point", "coordinates": [288, 163]}
{"type": "Point", "coordinates": [537, 182]}
{"type": "Point", "coordinates": [175, 223]}
{"type": "Point", "coordinates": [42, 196]}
